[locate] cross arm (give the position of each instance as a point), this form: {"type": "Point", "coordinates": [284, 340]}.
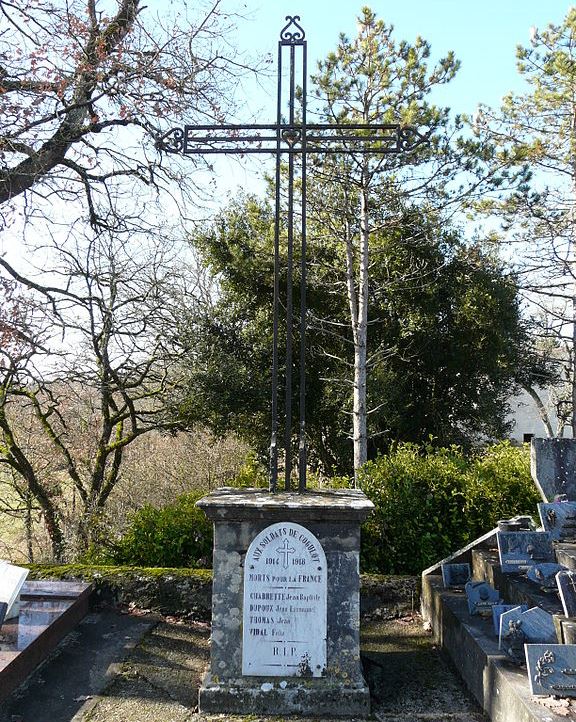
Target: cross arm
{"type": "Point", "coordinates": [377, 138]}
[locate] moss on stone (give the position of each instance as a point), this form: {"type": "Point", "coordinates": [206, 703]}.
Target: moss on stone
{"type": "Point", "coordinates": [187, 592]}
{"type": "Point", "coordinates": [91, 571]}
{"type": "Point", "coordinates": [184, 592]}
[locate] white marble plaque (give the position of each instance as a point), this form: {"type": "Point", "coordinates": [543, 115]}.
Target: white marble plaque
{"type": "Point", "coordinates": [11, 580]}
{"type": "Point", "coordinates": [284, 616]}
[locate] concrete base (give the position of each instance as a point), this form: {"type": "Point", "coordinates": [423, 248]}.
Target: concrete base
{"type": "Point", "coordinates": [272, 696]}
{"type": "Point", "coordinates": [334, 518]}
{"type": "Point", "coordinates": [500, 686]}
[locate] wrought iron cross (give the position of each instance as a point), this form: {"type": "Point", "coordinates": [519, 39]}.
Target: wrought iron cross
{"type": "Point", "coordinates": [291, 137]}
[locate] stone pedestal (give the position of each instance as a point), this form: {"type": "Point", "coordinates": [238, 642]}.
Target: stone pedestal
{"type": "Point", "coordinates": [299, 556]}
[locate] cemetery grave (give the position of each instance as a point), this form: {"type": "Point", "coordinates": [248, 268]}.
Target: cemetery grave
{"type": "Point", "coordinates": [285, 634]}
{"type": "Point", "coordinates": [34, 617]}
{"type": "Point", "coordinates": [511, 630]}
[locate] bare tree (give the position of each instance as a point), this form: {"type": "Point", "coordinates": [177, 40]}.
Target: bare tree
{"type": "Point", "coordinates": [92, 363]}
{"type": "Point", "coordinates": [84, 95]}
{"type": "Point", "coordinates": [101, 370]}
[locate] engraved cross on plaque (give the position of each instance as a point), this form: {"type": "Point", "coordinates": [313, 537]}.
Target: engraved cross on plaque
{"type": "Point", "coordinates": [285, 551]}
{"type": "Point", "coordinates": [290, 137]}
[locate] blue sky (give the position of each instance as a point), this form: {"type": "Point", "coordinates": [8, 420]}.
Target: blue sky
{"type": "Point", "coordinates": [482, 35]}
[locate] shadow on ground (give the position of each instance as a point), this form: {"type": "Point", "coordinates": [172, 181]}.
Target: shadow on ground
{"type": "Point", "coordinates": [158, 682]}
{"type": "Point", "coordinates": [407, 676]}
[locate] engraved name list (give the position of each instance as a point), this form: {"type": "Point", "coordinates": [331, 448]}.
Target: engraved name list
{"type": "Point", "coordinates": [284, 616]}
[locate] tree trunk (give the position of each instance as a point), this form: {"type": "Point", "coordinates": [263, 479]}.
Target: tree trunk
{"type": "Point", "coordinates": [28, 527]}
{"type": "Point", "coordinates": [572, 270]}
{"type": "Point", "coordinates": [359, 412]}
{"type": "Point", "coordinates": [542, 411]}
{"type": "Point", "coordinates": [19, 462]}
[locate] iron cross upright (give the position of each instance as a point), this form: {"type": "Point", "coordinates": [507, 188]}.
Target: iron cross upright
{"type": "Point", "coordinates": [290, 137]}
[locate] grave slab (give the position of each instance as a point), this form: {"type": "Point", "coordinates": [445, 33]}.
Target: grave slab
{"type": "Point", "coordinates": [566, 582]}
{"type": "Point", "coordinates": [314, 597]}
{"type": "Point", "coordinates": [551, 669]}
{"type": "Point", "coordinates": [499, 686]}
{"type": "Point", "coordinates": [559, 519]}
{"type": "Point", "coordinates": [48, 611]}
{"type": "Point", "coordinates": [544, 575]}
{"type": "Point", "coordinates": [535, 624]}
{"type": "Point", "coordinates": [499, 609]}
{"type": "Point", "coordinates": [522, 549]}
{"type": "Point", "coordinates": [481, 597]}
{"type": "Point", "coordinates": [455, 575]}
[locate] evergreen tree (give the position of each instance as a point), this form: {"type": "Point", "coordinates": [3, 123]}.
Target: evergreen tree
{"type": "Point", "coordinates": [372, 79]}
{"type": "Point", "coordinates": [444, 320]}
{"type": "Point", "coordinates": [529, 144]}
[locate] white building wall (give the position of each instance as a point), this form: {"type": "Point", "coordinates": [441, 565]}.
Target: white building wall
{"type": "Point", "coordinates": [527, 420]}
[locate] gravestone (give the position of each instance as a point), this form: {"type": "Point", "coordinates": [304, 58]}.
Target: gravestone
{"type": "Point", "coordinates": [553, 467]}
{"type": "Point", "coordinates": [499, 609]}
{"type": "Point", "coordinates": [285, 604]}
{"type": "Point", "coordinates": [513, 639]}
{"type": "Point", "coordinates": [566, 582]}
{"type": "Point", "coordinates": [481, 597]}
{"type": "Point", "coordinates": [552, 669]}
{"type": "Point", "coordinates": [455, 576]}
{"type": "Point", "coordinates": [545, 575]}
{"type": "Point", "coordinates": [536, 625]}
{"type": "Point", "coordinates": [520, 550]}
{"type": "Point", "coordinates": [559, 519]}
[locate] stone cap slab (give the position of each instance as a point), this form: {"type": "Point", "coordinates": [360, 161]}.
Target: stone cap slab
{"type": "Point", "coordinates": [229, 504]}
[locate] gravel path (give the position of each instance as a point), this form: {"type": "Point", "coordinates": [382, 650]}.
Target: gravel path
{"type": "Point", "coordinates": [158, 681]}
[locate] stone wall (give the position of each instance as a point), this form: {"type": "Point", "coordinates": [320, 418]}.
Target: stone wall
{"type": "Point", "coordinates": [188, 592]}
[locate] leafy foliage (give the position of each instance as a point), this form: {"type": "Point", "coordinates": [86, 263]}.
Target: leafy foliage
{"type": "Point", "coordinates": [429, 502]}
{"type": "Point", "coordinates": [445, 334]}
{"type": "Point", "coordinates": [432, 501]}
{"type": "Point", "coordinates": [411, 332]}
{"type": "Point", "coordinates": [529, 153]}
{"type": "Point", "coordinates": [175, 535]}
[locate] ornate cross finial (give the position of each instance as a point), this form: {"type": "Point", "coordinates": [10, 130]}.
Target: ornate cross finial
{"type": "Point", "coordinates": [297, 35]}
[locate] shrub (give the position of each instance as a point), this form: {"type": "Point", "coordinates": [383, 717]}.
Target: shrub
{"type": "Point", "coordinates": [251, 474]}
{"type": "Point", "coordinates": [175, 535]}
{"type": "Point", "coordinates": [430, 502]}
{"type": "Point", "coordinates": [499, 485]}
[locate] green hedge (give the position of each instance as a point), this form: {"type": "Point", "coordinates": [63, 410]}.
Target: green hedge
{"type": "Point", "coordinates": [430, 502]}
{"type": "Point", "coordinates": [175, 535]}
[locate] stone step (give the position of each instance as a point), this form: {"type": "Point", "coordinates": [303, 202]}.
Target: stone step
{"type": "Point", "coordinates": [513, 588]}
{"type": "Point", "coordinates": [500, 687]}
